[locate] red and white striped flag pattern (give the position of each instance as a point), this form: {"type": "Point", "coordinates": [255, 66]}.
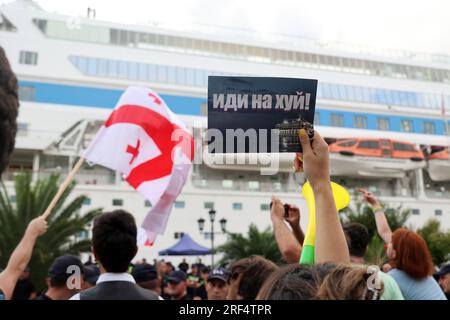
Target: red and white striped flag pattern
{"type": "Point", "coordinates": [145, 141]}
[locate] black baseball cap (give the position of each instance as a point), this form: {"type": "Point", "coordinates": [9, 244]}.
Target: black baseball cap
{"type": "Point", "coordinates": [59, 270]}
{"type": "Point", "coordinates": [443, 271]}
{"type": "Point", "coordinates": [219, 273]}
{"type": "Point", "coordinates": [91, 274]}
{"type": "Point", "coordinates": [177, 276]}
{"type": "Point", "coordinates": [144, 272]}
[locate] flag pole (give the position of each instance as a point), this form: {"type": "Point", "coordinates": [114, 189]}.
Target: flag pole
{"type": "Point", "coordinates": [62, 188]}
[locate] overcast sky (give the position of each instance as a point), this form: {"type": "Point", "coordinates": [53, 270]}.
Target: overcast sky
{"type": "Point", "coordinates": [417, 25]}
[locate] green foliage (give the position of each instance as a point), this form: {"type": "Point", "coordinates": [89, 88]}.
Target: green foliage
{"type": "Point", "coordinates": [438, 241]}
{"type": "Point", "coordinates": [361, 213]}
{"type": "Point", "coordinates": [375, 251]}
{"type": "Point", "coordinates": [65, 223]}
{"type": "Point", "coordinates": [256, 243]}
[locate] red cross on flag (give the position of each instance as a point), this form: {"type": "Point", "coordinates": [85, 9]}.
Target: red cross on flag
{"type": "Point", "coordinates": [145, 141]}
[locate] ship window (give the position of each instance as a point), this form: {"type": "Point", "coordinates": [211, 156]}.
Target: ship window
{"type": "Point", "coordinates": [360, 122]}
{"type": "Point", "coordinates": [227, 183]}
{"type": "Point", "coordinates": [117, 202]}
{"type": "Point", "coordinates": [438, 212]}
{"type": "Point", "coordinates": [337, 120]}
{"type": "Point", "coordinates": [429, 127]}
{"type": "Point", "coordinates": [385, 143]}
{"type": "Point", "coordinates": [27, 93]}
{"type": "Point", "coordinates": [253, 185]}
{"type": "Point", "coordinates": [208, 205]}
{"type": "Point", "coordinates": [28, 57]}
{"type": "Point", "coordinates": [237, 206]}
{"type": "Point", "coordinates": [178, 235]}
{"type": "Point", "coordinates": [22, 128]}
{"type": "Point", "coordinates": [179, 204]}
{"type": "Point", "coordinates": [403, 147]}
{"type": "Point", "coordinates": [265, 207]}
{"type": "Point", "coordinates": [147, 204]}
{"type": "Point", "coordinates": [350, 143]}
{"type": "Point", "coordinates": [415, 211]}
{"type": "Point", "coordinates": [87, 201]}
{"type": "Point", "coordinates": [369, 145]}
{"type": "Point", "coordinates": [114, 36]}
{"type": "Point", "coordinates": [406, 126]}
{"type": "Point", "coordinates": [383, 124]}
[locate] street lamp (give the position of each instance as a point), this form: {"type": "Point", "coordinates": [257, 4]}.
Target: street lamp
{"type": "Point", "coordinates": [201, 227]}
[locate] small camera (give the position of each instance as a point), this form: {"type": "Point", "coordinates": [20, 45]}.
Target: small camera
{"type": "Point", "coordinates": [286, 209]}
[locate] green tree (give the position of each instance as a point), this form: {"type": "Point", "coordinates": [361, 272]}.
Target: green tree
{"type": "Point", "coordinates": [65, 223]}
{"type": "Point", "coordinates": [437, 240]}
{"type": "Point", "coordinates": [256, 243]}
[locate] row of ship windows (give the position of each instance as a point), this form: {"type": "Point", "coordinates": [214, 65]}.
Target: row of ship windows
{"type": "Point", "coordinates": [198, 77]}
{"type": "Point", "coordinates": [437, 212]}
{"type": "Point", "coordinates": [210, 205]}
{"type": "Point", "coordinates": [144, 40]}
{"type": "Point", "coordinates": [177, 204]}
{"type": "Point", "coordinates": [382, 123]}
{"type": "Point", "coordinates": [335, 119]}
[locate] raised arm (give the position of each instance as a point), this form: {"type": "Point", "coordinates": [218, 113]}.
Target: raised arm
{"type": "Point", "coordinates": [294, 221]}
{"type": "Point", "coordinates": [383, 228]}
{"type": "Point", "coordinates": [331, 245]}
{"type": "Point", "coordinates": [288, 245]}
{"type": "Point", "coordinates": [21, 256]}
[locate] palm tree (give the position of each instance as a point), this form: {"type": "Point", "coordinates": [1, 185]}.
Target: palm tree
{"type": "Point", "coordinates": [256, 243]}
{"type": "Point", "coordinates": [65, 223]}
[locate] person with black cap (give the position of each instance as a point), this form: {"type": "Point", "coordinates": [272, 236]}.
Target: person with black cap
{"type": "Point", "coordinates": [91, 274]}
{"type": "Point", "coordinates": [177, 286]}
{"type": "Point", "coordinates": [60, 287]}
{"type": "Point", "coordinates": [114, 245]}
{"type": "Point", "coordinates": [217, 285]}
{"type": "Point", "coordinates": [443, 277]}
{"type": "Point", "coordinates": [146, 277]}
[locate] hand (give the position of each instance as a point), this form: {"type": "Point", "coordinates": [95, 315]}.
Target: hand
{"type": "Point", "coordinates": [277, 211]}
{"type": "Point", "coordinates": [369, 198]}
{"type": "Point", "coordinates": [37, 226]}
{"type": "Point", "coordinates": [315, 160]}
{"type": "Point", "coordinates": [294, 216]}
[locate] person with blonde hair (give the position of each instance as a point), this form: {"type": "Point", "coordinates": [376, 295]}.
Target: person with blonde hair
{"type": "Point", "coordinates": [351, 282]}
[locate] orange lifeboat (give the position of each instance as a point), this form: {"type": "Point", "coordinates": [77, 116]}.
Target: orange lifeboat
{"type": "Point", "coordinates": [439, 164]}
{"type": "Point", "coordinates": [372, 157]}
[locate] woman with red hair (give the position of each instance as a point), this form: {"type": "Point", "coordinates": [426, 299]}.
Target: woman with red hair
{"type": "Point", "coordinates": [412, 265]}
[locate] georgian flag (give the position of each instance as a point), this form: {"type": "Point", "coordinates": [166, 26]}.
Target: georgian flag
{"type": "Point", "coordinates": [145, 141]}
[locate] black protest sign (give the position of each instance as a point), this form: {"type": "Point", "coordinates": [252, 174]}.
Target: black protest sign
{"type": "Point", "coordinates": [255, 114]}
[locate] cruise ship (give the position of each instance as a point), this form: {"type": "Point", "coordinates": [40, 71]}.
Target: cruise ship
{"type": "Point", "coordinates": [382, 111]}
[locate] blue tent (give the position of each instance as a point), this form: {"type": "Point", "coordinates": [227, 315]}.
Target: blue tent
{"type": "Point", "coordinates": [185, 247]}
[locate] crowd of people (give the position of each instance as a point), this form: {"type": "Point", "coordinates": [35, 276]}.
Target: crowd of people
{"type": "Point", "coordinates": [339, 271]}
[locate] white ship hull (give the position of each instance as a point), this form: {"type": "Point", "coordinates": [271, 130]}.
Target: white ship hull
{"type": "Point", "coordinates": [356, 166]}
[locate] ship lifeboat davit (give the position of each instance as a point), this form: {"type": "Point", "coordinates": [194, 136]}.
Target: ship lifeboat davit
{"type": "Point", "coordinates": [439, 165]}
{"type": "Point", "coordinates": [367, 157]}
